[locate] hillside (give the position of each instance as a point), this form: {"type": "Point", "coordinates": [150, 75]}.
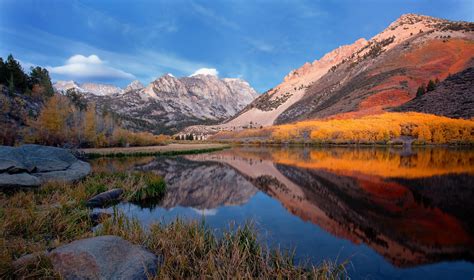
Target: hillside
{"type": "Point", "coordinates": [389, 72]}
{"type": "Point", "coordinates": [453, 97]}
{"type": "Point", "coordinates": [366, 77]}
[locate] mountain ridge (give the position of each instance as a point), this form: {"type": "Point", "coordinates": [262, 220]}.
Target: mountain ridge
{"type": "Point", "coordinates": [169, 104]}
{"type": "Point", "coordinates": [363, 78]}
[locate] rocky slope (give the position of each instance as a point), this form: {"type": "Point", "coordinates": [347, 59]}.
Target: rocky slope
{"type": "Point", "coordinates": [168, 104]}
{"type": "Point", "coordinates": [454, 97]}
{"type": "Point", "coordinates": [366, 77]}
{"type": "Point", "coordinates": [387, 72]}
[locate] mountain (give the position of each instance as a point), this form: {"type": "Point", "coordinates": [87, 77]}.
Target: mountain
{"type": "Point", "coordinates": [366, 77]}
{"type": "Point", "coordinates": [453, 97]}
{"type": "Point", "coordinates": [135, 85]}
{"type": "Point", "coordinates": [388, 70]}
{"type": "Point", "coordinates": [169, 104]}
{"type": "Point", "coordinates": [63, 86]}
{"type": "Point", "coordinates": [87, 88]}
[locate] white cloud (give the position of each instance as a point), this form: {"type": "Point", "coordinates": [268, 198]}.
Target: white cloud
{"type": "Point", "coordinates": [205, 71]}
{"type": "Point", "coordinates": [79, 67]}
{"type": "Point", "coordinates": [78, 58]}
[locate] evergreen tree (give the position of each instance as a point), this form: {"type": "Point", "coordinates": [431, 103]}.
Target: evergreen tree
{"type": "Point", "coordinates": [40, 76]}
{"type": "Point", "coordinates": [16, 74]}
{"type": "Point", "coordinates": [3, 73]}
{"type": "Point", "coordinates": [420, 91]}
{"type": "Point", "coordinates": [431, 86]}
{"type": "Point", "coordinates": [77, 99]}
{"type": "Point", "coordinates": [11, 84]}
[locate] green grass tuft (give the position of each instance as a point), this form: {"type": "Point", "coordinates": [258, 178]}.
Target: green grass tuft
{"type": "Point", "coordinates": [152, 187]}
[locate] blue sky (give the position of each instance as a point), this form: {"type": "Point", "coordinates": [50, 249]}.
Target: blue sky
{"type": "Point", "coordinates": [259, 41]}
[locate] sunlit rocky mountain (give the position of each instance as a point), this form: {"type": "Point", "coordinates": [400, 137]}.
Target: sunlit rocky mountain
{"type": "Point", "coordinates": [367, 76]}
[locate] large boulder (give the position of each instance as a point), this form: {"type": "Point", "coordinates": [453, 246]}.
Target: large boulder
{"type": "Point", "coordinates": [33, 165]}
{"type": "Point", "coordinates": [103, 257]}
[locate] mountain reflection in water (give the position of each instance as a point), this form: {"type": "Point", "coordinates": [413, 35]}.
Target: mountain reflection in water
{"type": "Point", "coordinates": [412, 208]}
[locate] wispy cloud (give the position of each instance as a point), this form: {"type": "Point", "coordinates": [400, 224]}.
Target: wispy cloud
{"type": "Point", "coordinates": [89, 67]}
{"type": "Point", "coordinates": [208, 14]}
{"type": "Point", "coordinates": [260, 45]}
{"type": "Point", "coordinates": [97, 19]}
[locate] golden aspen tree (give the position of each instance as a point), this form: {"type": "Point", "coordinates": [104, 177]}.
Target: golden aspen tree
{"type": "Point", "coordinates": [51, 123]}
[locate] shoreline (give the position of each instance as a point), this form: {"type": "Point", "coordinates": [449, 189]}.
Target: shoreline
{"type": "Point", "coordinates": [168, 150]}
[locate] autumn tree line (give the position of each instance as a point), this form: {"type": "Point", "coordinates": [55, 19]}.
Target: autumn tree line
{"type": "Point", "coordinates": [386, 128]}
{"type": "Point", "coordinates": [31, 112]}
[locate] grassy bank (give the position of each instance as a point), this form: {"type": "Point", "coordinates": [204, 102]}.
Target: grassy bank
{"type": "Point", "coordinates": [383, 129]}
{"type": "Point", "coordinates": [167, 150]}
{"type": "Point", "coordinates": [56, 214]}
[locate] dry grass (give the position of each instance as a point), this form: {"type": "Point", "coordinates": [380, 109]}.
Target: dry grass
{"type": "Point", "coordinates": [39, 220]}
{"type": "Point", "coordinates": [192, 250]}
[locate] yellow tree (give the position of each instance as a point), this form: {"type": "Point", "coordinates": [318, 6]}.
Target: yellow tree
{"type": "Point", "coordinates": [51, 124]}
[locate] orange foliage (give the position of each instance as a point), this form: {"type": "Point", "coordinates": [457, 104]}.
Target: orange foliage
{"type": "Point", "coordinates": [382, 128]}
{"type": "Point", "coordinates": [51, 126]}
{"type": "Point", "coordinates": [440, 57]}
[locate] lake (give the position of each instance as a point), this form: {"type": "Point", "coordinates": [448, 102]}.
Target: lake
{"type": "Point", "coordinates": [393, 213]}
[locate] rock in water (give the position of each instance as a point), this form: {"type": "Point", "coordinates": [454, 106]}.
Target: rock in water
{"type": "Point", "coordinates": [105, 198]}
{"type": "Point", "coordinates": [103, 257]}
{"type": "Point", "coordinates": [33, 165]}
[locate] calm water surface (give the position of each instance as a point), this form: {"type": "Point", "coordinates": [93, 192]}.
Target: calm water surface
{"type": "Point", "coordinates": [394, 214]}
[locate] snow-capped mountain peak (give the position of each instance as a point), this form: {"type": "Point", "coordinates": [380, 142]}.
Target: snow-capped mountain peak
{"type": "Point", "coordinates": [87, 88]}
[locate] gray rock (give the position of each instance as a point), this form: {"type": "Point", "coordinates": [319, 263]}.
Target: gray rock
{"type": "Point", "coordinates": [23, 180]}
{"type": "Point", "coordinates": [33, 165]}
{"type": "Point", "coordinates": [11, 166]}
{"type": "Point", "coordinates": [105, 198]}
{"type": "Point", "coordinates": [103, 257]}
